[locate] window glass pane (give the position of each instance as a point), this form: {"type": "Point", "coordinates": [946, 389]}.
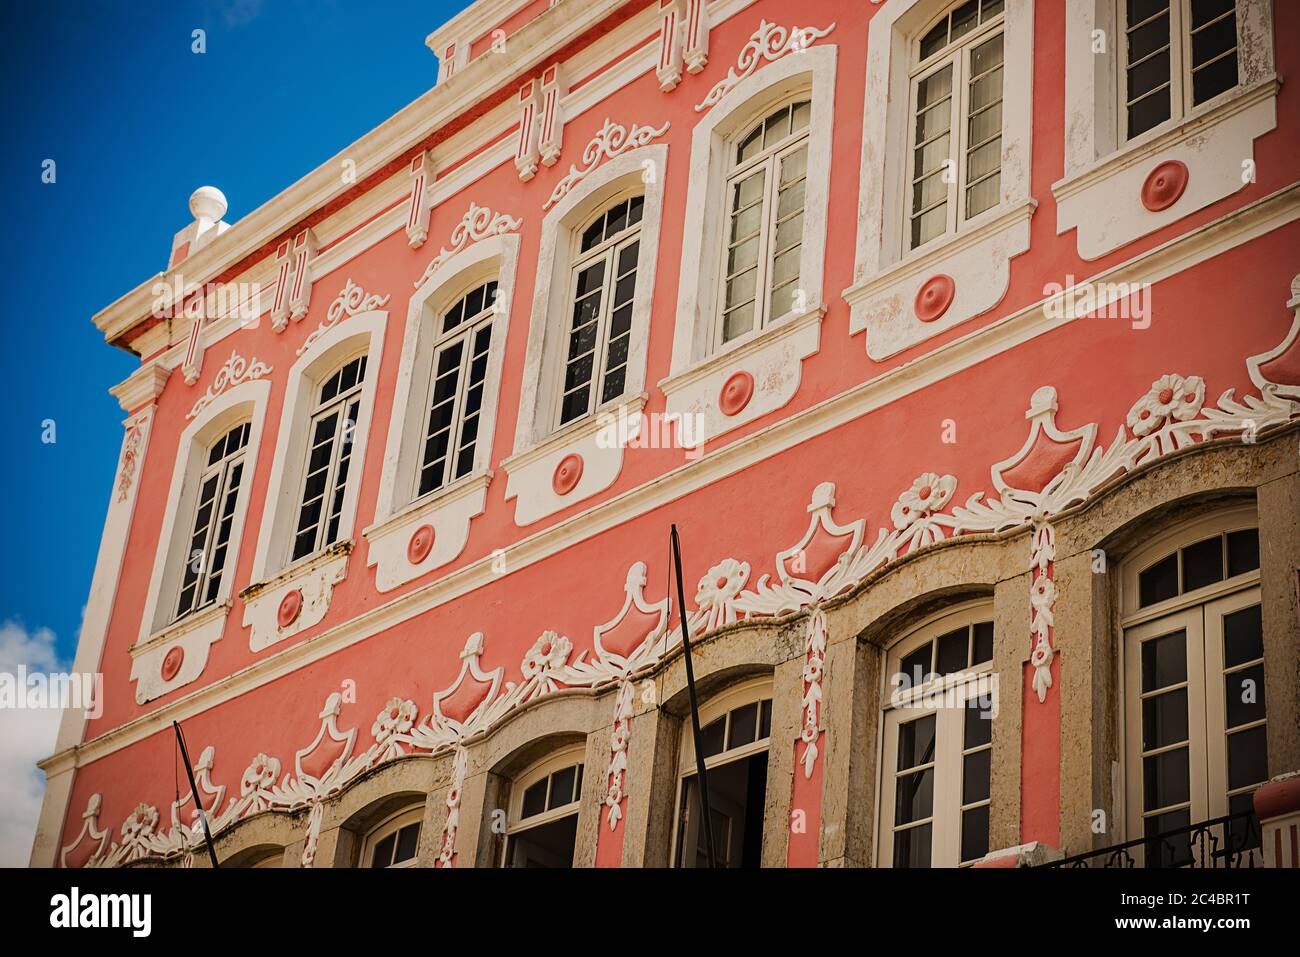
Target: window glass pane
{"type": "Point", "coordinates": [1244, 834]}
{"type": "Point", "coordinates": [1203, 11]}
{"type": "Point", "coordinates": [1148, 76]}
{"type": "Point", "coordinates": [912, 847]}
{"type": "Point", "coordinates": [751, 145]}
{"type": "Point", "coordinates": [1164, 719]}
{"type": "Point", "coordinates": [407, 840]}
{"type": "Point", "coordinates": [1159, 582]}
{"type": "Point", "coordinates": [534, 799]}
{"type": "Point", "coordinates": [1147, 39]}
{"type": "Point", "coordinates": [765, 719]}
{"type": "Point", "coordinates": [1164, 661]}
{"type": "Point", "coordinates": [915, 796]}
{"type": "Point", "coordinates": [1148, 112]}
{"type": "Point", "coordinates": [1243, 636]}
{"type": "Point", "coordinates": [1203, 563]}
{"type": "Point", "coordinates": [562, 787]}
{"type": "Point", "coordinates": [1248, 757]}
{"type": "Point", "coordinates": [1209, 81]}
{"type": "Point", "coordinates": [983, 643]}
{"type": "Point", "coordinates": [935, 40]}
{"type": "Point", "coordinates": [744, 726]}
{"type": "Point", "coordinates": [1213, 39]}
{"type": "Point", "coordinates": [738, 321]}
{"type": "Point", "coordinates": [383, 855]}
{"type": "Point", "coordinates": [712, 737]}
{"type": "Point", "coordinates": [916, 666]}
{"type": "Point", "coordinates": [929, 224]}
{"type": "Point", "coordinates": [952, 651]}
{"type": "Point", "coordinates": [975, 776]}
{"type": "Point", "coordinates": [1243, 551]}
{"type": "Point", "coordinates": [1165, 779]}
{"type": "Point", "coordinates": [989, 9]}
{"type": "Point", "coordinates": [800, 114]}
{"type": "Point", "coordinates": [916, 742]}
{"type": "Point", "coordinates": [1243, 695]}
{"type": "Point", "coordinates": [964, 19]}
{"type": "Point", "coordinates": [974, 833]}
{"type": "Point", "coordinates": [979, 725]}
{"type": "Point", "coordinates": [1139, 10]}
{"type": "Point", "coordinates": [1173, 850]}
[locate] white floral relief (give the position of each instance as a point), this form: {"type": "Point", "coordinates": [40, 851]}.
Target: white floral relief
{"type": "Point", "coordinates": [829, 560]}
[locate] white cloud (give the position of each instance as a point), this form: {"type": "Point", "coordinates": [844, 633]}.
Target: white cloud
{"type": "Point", "coordinates": [26, 735]}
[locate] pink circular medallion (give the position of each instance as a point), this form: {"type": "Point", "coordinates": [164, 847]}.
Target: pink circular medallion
{"type": "Point", "coordinates": [421, 543]}
{"type": "Point", "coordinates": [1164, 185]}
{"type": "Point", "coordinates": [567, 474]}
{"type": "Point", "coordinates": [290, 608]}
{"type": "Point", "coordinates": [934, 297]}
{"type": "Point", "coordinates": [736, 393]}
{"type": "Point", "coordinates": [171, 663]}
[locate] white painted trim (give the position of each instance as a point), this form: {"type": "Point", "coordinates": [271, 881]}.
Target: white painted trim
{"type": "Point", "coordinates": [1179, 254]}
{"type": "Point", "coordinates": [494, 257]}
{"type": "Point", "coordinates": [809, 70]}
{"type": "Point", "coordinates": [548, 328]}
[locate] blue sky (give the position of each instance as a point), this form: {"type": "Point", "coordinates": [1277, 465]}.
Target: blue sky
{"type": "Point", "coordinates": [135, 121]}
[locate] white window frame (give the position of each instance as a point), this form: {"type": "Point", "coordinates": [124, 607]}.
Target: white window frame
{"type": "Point", "coordinates": [197, 630]}
{"type": "Point", "coordinates": [746, 692]}
{"type": "Point", "coordinates": [1199, 613]}
{"type": "Point", "coordinates": [391, 825]}
{"type": "Point", "coordinates": [515, 822]}
{"type": "Point", "coordinates": [362, 333]}
{"type": "Point", "coordinates": [976, 254]}
{"type": "Point", "coordinates": [810, 74]}
{"type": "Point", "coordinates": [917, 702]}
{"type": "Point", "coordinates": [492, 258]}
{"type": "Point", "coordinates": [639, 170]}
{"type": "Point", "coordinates": [955, 56]}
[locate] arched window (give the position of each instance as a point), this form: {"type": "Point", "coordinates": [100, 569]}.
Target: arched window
{"type": "Point", "coordinates": [735, 729]}
{"type": "Point", "coordinates": [937, 745]}
{"type": "Point", "coordinates": [1195, 722]}
{"type": "Point", "coordinates": [602, 288]}
{"type": "Point", "coordinates": [455, 403]}
{"type": "Point", "coordinates": [394, 841]}
{"type": "Point", "coordinates": [542, 826]}
{"type": "Point", "coordinates": [768, 167]}
{"type": "Point", "coordinates": [330, 430]}
{"type": "Point", "coordinates": [956, 142]}
{"type": "Point", "coordinates": [214, 518]}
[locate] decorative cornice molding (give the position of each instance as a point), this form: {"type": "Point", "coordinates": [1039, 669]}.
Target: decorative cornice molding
{"type": "Point", "coordinates": [611, 140]}
{"type": "Point", "coordinates": [478, 223]}
{"type": "Point", "coordinates": [351, 300]}
{"type": "Point", "coordinates": [143, 386]}
{"type": "Point", "coordinates": [769, 42]}
{"type": "Point", "coordinates": [235, 371]}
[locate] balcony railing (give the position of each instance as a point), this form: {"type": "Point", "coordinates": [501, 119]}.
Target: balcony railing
{"type": "Point", "coordinates": [1224, 842]}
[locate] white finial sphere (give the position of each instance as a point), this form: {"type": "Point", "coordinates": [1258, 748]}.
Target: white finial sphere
{"type": "Point", "coordinates": [208, 202]}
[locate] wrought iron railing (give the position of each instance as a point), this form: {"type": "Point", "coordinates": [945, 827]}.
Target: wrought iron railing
{"type": "Point", "coordinates": [1224, 842]}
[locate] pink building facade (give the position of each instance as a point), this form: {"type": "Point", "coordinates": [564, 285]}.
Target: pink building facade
{"type": "Point", "coordinates": [959, 341]}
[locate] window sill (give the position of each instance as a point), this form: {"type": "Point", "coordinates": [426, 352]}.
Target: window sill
{"type": "Point", "coordinates": [398, 557]}
{"type": "Point", "coordinates": [274, 616]}
{"type": "Point", "coordinates": [1103, 201]}
{"type": "Point", "coordinates": [532, 476]}
{"type": "Point", "coordinates": [181, 648]}
{"type": "Point", "coordinates": [977, 259]}
{"type": "Point", "coordinates": [772, 359]}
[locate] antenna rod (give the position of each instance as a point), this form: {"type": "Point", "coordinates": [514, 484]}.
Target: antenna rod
{"type": "Point", "coordinates": [194, 793]}
{"type": "Point", "coordinates": [695, 710]}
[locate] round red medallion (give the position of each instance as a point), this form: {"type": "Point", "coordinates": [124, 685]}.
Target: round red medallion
{"type": "Point", "coordinates": [290, 608]}
{"type": "Point", "coordinates": [736, 393]}
{"type": "Point", "coordinates": [934, 297]}
{"type": "Point", "coordinates": [1164, 185]}
{"type": "Point", "coordinates": [567, 474]}
{"type": "Point", "coordinates": [421, 543]}
{"type": "Point", "coordinates": [171, 663]}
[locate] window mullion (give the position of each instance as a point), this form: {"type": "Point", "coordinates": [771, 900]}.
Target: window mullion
{"type": "Point", "coordinates": [767, 242]}
{"type": "Point", "coordinates": [959, 141]}
{"type": "Point", "coordinates": [1180, 60]}
{"type": "Point", "coordinates": [214, 526]}
{"type": "Point", "coordinates": [331, 472]}
{"type": "Point", "coordinates": [600, 342]}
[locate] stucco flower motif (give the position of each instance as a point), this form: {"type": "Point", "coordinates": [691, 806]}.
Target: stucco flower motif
{"type": "Point", "coordinates": [812, 670]}
{"type": "Point", "coordinates": [397, 717]}
{"type": "Point", "coordinates": [140, 823]}
{"type": "Point", "coordinates": [618, 738]}
{"type": "Point", "coordinates": [550, 652]}
{"type": "Point", "coordinates": [1042, 593]}
{"type": "Point", "coordinates": [260, 775]}
{"type": "Point", "coordinates": [928, 494]}
{"type": "Point", "coordinates": [1170, 397]}
{"type": "Point", "coordinates": [722, 583]}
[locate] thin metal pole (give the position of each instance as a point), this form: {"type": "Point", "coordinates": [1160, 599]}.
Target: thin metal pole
{"type": "Point", "coordinates": [194, 794]}
{"type": "Point", "coordinates": [695, 710]}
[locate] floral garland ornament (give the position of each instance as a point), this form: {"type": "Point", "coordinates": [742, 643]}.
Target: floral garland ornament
{"type": "Point", "coordinates": [914, 512]}
{"type": "Point", "coordinates": [716, 595]}
{"type": "Point", "coordinates": [769, 42]}
{"type": "Point", "coordinates": [313, 834]}
{"type": "Point", "coordinates": [1042, 598]}
{"type": "Point", "coordinates": [543, 662]}
{"type": "Point", "coordinates": [136, 430]}
{"type": "Point", "coordinates": [613, 139]}
{"type": "Point", "coordinates": [619, 737]}
{"type": "Point", "coordinates": [352, 300]}
{"type": "Point", "coordinates": [236, 371]}
{"type": "Point", "coordinates": [447, 856]}
{"type": "Point", "coordinates": [813, 669]}
{"type": "Point", "coordinates": [1171, 398]}
{"type": "Point", "coordinates": [478, 223]}
{"type": "Point", "coordinates": [391, 725]}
